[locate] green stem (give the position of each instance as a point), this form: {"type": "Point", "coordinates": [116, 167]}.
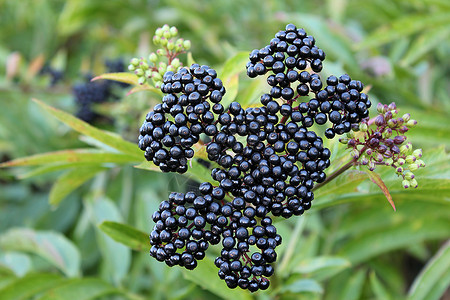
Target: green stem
{"type": "Point", "coordinates": [339, 171]}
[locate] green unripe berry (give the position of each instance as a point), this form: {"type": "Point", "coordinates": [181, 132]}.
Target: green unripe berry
{"type": "Point", "coordinates": [176, 63]}
{"type": "Point", "coordinates": [187, 44]}
{"type": "Point", "coordinates": [165, 27]}
{"type": "Point", "coordinates": [343, 140]}
{"type": "Point", "coordinates": [409, 175]}
{"type": "Point", "coordinates": [139, 72]}
{"type": "Point", "coordinates": [405, 183]}
{"type": "Point", "coordinates": [167, 34]}
{"type": "Point", "coordinates": [413, 183]}
{"type": "Point", "coordinates": [171, 68]}
{"type": "Point", "coordinates": [371, 165]}
{"type": "Point", "coordinates": [148, 73]}
{"type": "Point", "coordinates": [364, 160]}
{"type": "Point", "coordinates": [170, 46]}
{"type": "Point", "coordinates": [350, 134]}
{"type": "Point", "coordinates": [417, 153]}
{"type": "Point", "coordinates": [142, 80]}
{"type": "Point", "coordinates": [411, 123]}
{"type": "Point", "coordinates": [135, 62]}
{"type": "Point", "coordinates": [354, 153]}
{"type": "Point", "coordinates": [401, 161]}
{"type": "Point", "coordinates": [413, 167]}
{"type": "Point", "coordinates": [153, 57]}
{"type": "Point", "coordinates": [406, 117]}
{"type": "Point", "coordinates": [163, 41]}
{"type": "Point", "coordinates": [363, 127]}
{"type": "Point", "coordinates": [131, 68]}
{"type": "Point", "coordinates": [399, 170]}
{"type": "Point", "coordinates": [173, 31]}
{"type": "Point", "coordinates": [159, 32]}
{"type": "Point", "coordinates": [156, 39]}
{"type": "Point", "coordinates": [420, 163]}
{"type": "Point", "coordinates": [161, 52]}
{"type": "Point", "coordinates": [410, 159]}
{"type": "Point", "coordinates": [156, 76]}
{"type": "Point", "coordinates": [158, 84]}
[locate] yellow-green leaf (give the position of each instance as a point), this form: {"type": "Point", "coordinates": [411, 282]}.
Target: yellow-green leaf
{"type": "Point", "coordinates": [124, 77]}
{"type": "Point", "coordinates": [71, 156]}
{"type": "Point", "coordinates": [70, 181]}
{"type": "Point", "coordinates": [108, 138]}
{"type": "Point", "coordinates": [126, 235]}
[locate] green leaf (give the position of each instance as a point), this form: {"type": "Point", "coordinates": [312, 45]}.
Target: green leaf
{"type": "Point", "coordinates": [347, 287]}
{"type": "Point", "coordinates": [144, 87]}
{"type": "Point", "coordinates": [51, 246]}
{"type": "Point", "coordinates": [116, 256]}
{"type": "Point", "coordinates": [375, 178]}
{"type": "Point", "coordinates": [124, 77]}
{"type": "Point", "coordinates": [434, 279]}
{"type": "Point", "coordinates": [108, 138]}
{"type": "Point", "coordinates": [404, 27]}
{"type": "Point", "coordinates": [372, 243]}
{"type": "Point", "coordinates": [205, 275]}
{"type": "Point", "coordinates": [80, 289]}
{"type": "Point", "coordinates": [230, 76]}
{"type": "Point", "coordinates": [19, 263]}
{"type": "Point", "coordinates": [71, 156]}
{"type": "Point", "coordinates": [126, 235]}
{"type": "Point", "coordinates": [322, 267]}
{"type": "Point", "coordinates": [30, 285]}
{"type": "Point", "coordinates": [424, 44]}
{"type": "Point", "coordinates": [70, 181]}
{"type": "Point", "coordinates": [302, 286]}
{"type": "Point", "coordinates": [377, 288]}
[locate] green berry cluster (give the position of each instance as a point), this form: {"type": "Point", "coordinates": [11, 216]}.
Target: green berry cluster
{"type": "Point", "coordinates": [164, 59]}
{"type": "Point", "coordinates": [382, 141]}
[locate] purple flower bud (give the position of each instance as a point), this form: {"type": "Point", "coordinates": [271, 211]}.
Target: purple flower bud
{"type": "Point", "coordinates": [377, 135]}
{"type": "Point", "coordinates": [382, 148]}
{"type": "Point", "coordinates": [403, 129]}
{"type": "Point", "coordinates": [369, 152]}
{"type": "Point", "coordinates": [392, 106]}
{"type": "Point", "coordinates": [379, 157]}
{"type": "Point", "coordinates": [388, 115]}
{"type": "Point", "coordinates": [380, 108]}
{"type": "Point", "coordinates": [352, 142]}
{"type": "Point", "coordinates": [374, 142]}
{"type": "Point", "coordinates": [379, 121]}
{"type": "Point", "coordinates": [392, 123]}
{"type": "Point", "coordinates": [388, 153]}
{"type": "Point", "coordinates": [395, 149]}
{"type": "Point", "coordinates": [400, 121]}
{"type": "Point", "coordinates": [389, 142]}
{"type": "Point", "coordinates": [399, 139]}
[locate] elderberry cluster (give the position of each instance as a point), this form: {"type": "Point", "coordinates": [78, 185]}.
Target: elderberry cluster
{"type": "Point", "coordinates": [187, 110]}
{"type": "Point", "coordinates": [89, 93]}
{"type": "Point", "coordinates": [266, 158]}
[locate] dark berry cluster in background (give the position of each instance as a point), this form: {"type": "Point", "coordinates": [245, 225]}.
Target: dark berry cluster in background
{"type": "Point", "coordinates": [266, 158]}
{"type": "Point", "coordinates": [90, 92]}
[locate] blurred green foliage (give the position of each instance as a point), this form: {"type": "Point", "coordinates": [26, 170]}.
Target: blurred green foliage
{"type": "Point", "coordinates": [351, 245]}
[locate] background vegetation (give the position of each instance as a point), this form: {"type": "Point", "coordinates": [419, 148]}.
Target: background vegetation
{"type": "Point", "coordinates": [350, 245]}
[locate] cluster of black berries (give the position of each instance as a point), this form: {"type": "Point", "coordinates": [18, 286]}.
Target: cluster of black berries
{"type": "Point", "coordinates": [287, 57]}
{"type": "Point", "coordinates": [93, 92]}
{"type": "Point", "coordinates": [54, 74]}
{"type": "Point", "coordinates": [188, 110]}
{"type": "Point", "coordinates": [267, 159]}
